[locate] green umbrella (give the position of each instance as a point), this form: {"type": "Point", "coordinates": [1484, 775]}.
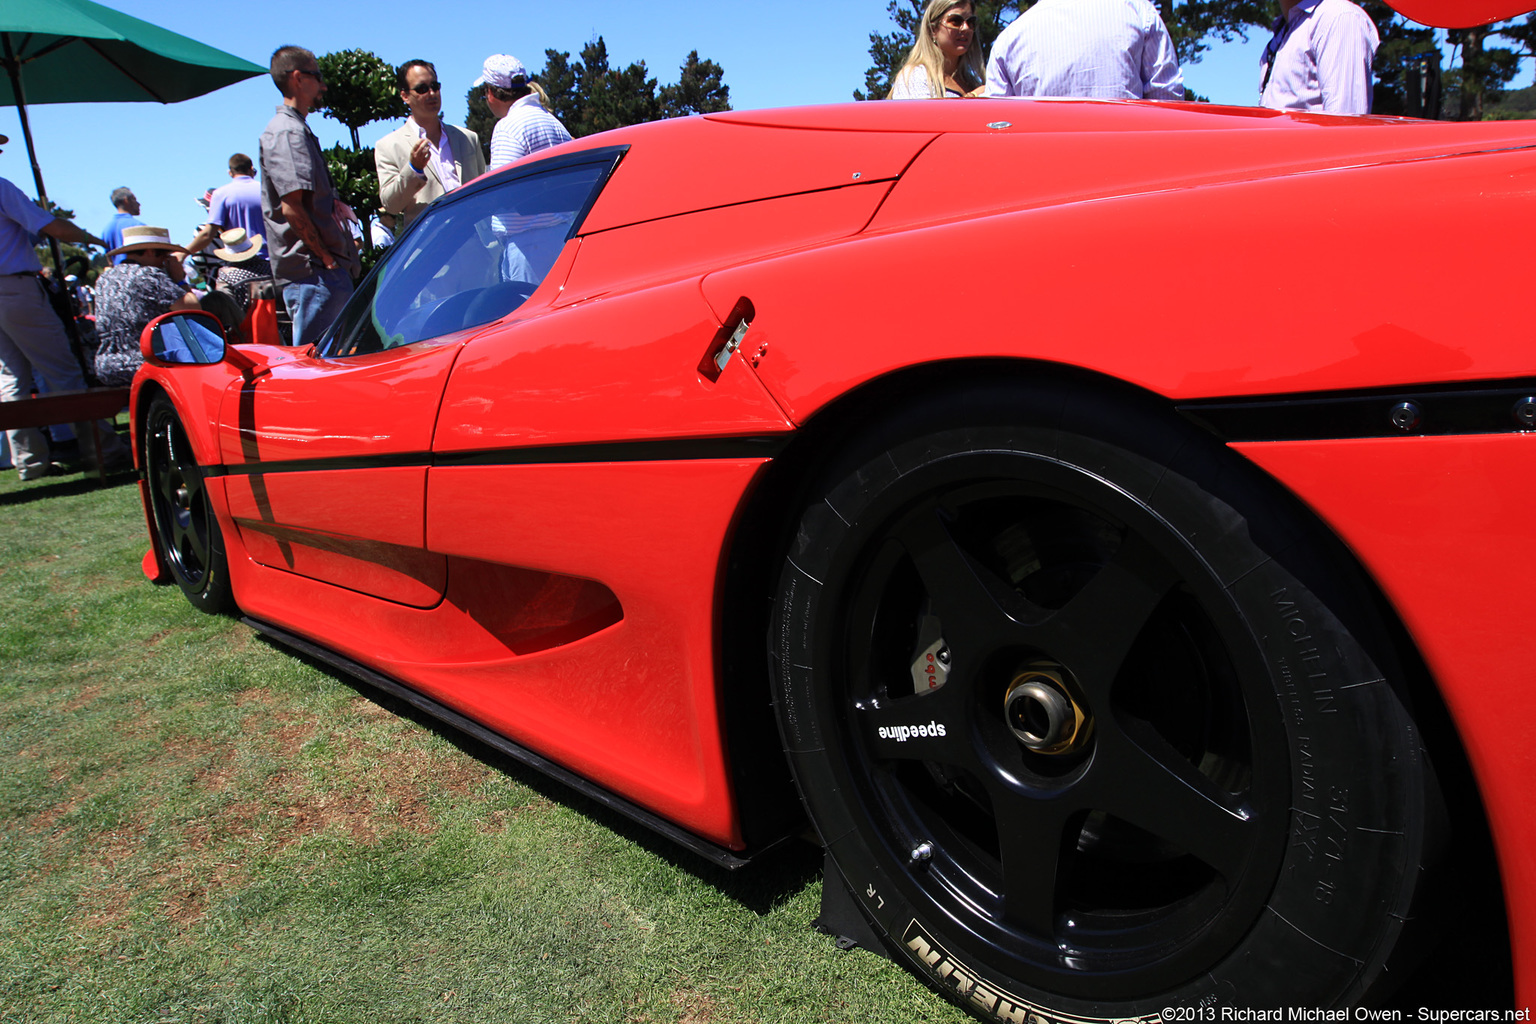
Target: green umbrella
{"type": "Point", "coordinates": [75, 51]}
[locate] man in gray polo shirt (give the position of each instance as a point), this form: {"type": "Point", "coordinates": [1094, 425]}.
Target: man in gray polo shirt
{"type": "Point", "coordinates": [313, 255]}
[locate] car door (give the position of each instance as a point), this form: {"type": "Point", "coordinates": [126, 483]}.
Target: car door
{"type": "Point", "coordinates": [328, 453]}
{"type": "Point", "coordinates": [327, 461]}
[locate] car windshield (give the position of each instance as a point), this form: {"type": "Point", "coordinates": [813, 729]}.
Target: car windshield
{"type": "Point", "coordinates": [469, 262]}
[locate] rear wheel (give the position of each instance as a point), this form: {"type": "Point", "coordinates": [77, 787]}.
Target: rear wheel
{"type": "Point", "coordinates": [186, 528]}
{"type": "Point", "coordinates": [1088, 720]}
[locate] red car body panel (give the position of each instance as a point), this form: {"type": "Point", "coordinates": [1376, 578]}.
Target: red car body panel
{"type": "Point", "coordinates": [586, 374]}
{"type": "Point", "coordinates": [1441, 524]}
{"type": "Point", "coordinates": [632, 704]}
{"type": "Point", "coordinates": [1262, 325]}
{"type": "Point", "coordinates": [575, 605]}
{"type": "Point", "coordinates": [359, 528]}
{"type": "Point", "coordinates": [704, 163]}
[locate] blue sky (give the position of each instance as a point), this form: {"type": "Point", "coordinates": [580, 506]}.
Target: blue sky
{"type": "Point", "coordinates": [784, 54]}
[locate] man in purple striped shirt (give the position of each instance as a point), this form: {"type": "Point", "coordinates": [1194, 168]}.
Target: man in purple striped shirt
{"type": "Point", "coordinates": [1319, 58]}
{"type": "Point", "coordinates": [1102, 49]}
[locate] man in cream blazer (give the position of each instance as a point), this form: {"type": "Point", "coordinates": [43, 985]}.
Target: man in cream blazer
{"type": "Point", "coordinates": [423, 158]}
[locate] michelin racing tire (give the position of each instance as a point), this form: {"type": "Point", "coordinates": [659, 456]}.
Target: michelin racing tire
{"type": "Point", "coordinates": [1094, 719]}
{"type": "Point", "coordinates": [186, 529]}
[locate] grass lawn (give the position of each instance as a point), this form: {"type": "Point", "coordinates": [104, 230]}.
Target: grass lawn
{"type": "Point", "coordinates": [196, 825]}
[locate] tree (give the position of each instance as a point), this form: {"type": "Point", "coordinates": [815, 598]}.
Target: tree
{"type": "Point", "coordinates": [1482, 75]}
{"type": "Point", "coordinates": [1195, 23]}
{"type": "Point", "coordinates": [603, 97]}
{"type": "Point", "coordinates": [356, 179]}
{"type": "Point", "coordinates": [589, 95]}
{"type": "Point", "coordinates": [480, 120]}
{"type": "Point", "coordinates": [360, 89]}
{"type": "Point", "coordinates": [55, 209]}
{"type": "Point", "coordinates": [1407, 65]}
{"type": "Point", "coordinates": [76, 261]}
{"type": "Point", "coordinates": [1520, 104]}
{"type": "Point", "coordinates": [700, 89]}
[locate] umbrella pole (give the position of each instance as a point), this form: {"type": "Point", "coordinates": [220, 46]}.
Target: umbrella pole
{"type": "Point", "coordinates": [13, 68]}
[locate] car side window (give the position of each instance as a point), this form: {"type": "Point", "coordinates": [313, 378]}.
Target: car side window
{"type": "Point", "coordinates": [468, 262]}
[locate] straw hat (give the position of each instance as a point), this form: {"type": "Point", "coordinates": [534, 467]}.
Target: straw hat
{"type": "Point", "coordinates": [236, 248]}
{"type": "Point", "coordinates": [137, 237]}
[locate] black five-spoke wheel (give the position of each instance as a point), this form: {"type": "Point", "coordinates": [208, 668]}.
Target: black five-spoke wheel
{"type": "Point", "coordinates": [1073, 732]}
{"type": "Point", "coordinates": [186, 529]}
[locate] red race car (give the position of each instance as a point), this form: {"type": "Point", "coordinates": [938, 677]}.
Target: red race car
{"type": "Point", "coordinates": [1096, 513]}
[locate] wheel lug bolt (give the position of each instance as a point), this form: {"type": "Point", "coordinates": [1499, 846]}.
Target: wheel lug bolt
{"type": "Point", "coordinates": [921, 852]}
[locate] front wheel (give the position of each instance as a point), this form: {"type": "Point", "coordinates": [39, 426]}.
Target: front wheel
{"type": "Point", "coordinates": [1091, 718]}
{"type": "Point", "coordinates": [186, 529]}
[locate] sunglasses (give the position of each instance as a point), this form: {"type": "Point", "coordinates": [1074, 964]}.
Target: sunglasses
{"type": "Point", "coordinates": [422, 88]}
{"type": "Point", "coordinates": [960, 21]}
{"type": "Point", "coordinates": [317, 76]}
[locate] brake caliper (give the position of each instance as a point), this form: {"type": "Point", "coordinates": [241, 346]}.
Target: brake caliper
{"type": "Point", "coordinates": [930, 668]}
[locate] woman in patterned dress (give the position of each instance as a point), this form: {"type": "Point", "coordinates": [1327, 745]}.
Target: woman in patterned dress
{"type": "Point", "coordinates": [150, 281]}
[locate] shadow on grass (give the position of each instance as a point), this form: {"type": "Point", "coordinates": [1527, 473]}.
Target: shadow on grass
{"type": "Point", "coordinates": [772, 877]}
{"type": "Point", "coordinates": [65, 487]}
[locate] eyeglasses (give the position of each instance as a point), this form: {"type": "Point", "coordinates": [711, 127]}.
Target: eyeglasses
{"type": "Point", "coordinates": [422, 88]}
{"type": "Point", "coordinates": [317, 76]}
{"type": "Point", "coordinates": [960, 21]}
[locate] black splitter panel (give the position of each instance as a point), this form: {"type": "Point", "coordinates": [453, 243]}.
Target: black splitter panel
{"type": "Point", "coordinates": [1485, 407]}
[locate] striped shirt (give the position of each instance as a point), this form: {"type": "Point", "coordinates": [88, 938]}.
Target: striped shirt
{"type": "Point", "coordinates": [1320, 59]}
{"type": "Point", "coordinates": [527, 128]}
{"type": "Point", "coordinates": [1100, 49]}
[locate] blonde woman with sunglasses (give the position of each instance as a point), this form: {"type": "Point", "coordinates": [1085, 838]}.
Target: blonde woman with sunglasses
{"type": "Point", "coordinates": [946, 58]}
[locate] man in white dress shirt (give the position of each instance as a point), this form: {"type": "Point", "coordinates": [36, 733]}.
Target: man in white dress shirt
{"type": "Point", "coordinates": [423, 158]}
{"type": "Point", "coordinates": [1097, 49]}
{"type": "Point", "coordinates": [1319, 58]}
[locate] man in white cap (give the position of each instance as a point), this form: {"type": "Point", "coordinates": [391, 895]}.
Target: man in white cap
{"type": "Point", "coordinates": [32, 340]}
{"type": "Point", "coordinates": [523, 126]}
{"type": "Point", "coordinates": [425, 157]}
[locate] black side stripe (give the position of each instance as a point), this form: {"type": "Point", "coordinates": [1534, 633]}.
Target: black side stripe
{"type": "Point", "coordinates": [1477, 407]}
{"type": "Point", "coordinates": [691, 449]}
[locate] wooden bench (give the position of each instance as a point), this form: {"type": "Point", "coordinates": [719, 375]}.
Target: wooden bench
{"type": "Point", "coordinates": [58, 407]}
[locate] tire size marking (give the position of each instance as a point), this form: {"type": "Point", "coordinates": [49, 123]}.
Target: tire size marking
{"type": "Point", "coordinates": [953, 975]}
{"type": "Point", "coordinates": [1307, 766]}
{"type": "Point", "coordinates": [1324, 838]}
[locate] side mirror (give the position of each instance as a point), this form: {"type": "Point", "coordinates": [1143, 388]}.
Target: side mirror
{"type": "Point", "coordinates": [188, 338]}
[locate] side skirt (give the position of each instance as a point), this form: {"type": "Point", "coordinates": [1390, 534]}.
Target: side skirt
{"type": "Point", "coordinates": [730, 859]}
